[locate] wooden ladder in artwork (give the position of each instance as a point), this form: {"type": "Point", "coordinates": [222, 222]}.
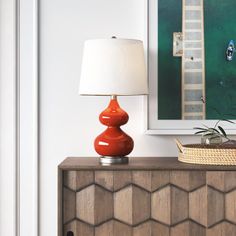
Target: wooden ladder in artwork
{"type": "Point", "coordinates": [190, 46]}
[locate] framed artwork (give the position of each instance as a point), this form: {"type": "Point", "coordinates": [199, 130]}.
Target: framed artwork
{"type": "Point", "coordinates": [191, 63]}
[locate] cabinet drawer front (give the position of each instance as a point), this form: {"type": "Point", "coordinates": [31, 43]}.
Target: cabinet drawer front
{"type": "Point", "coordinates": [148, 203]}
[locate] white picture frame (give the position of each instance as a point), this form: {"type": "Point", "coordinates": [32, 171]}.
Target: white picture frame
{"type": "Point", "coordinates": [153, 126]}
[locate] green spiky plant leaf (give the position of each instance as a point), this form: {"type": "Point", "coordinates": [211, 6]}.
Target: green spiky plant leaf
{"type": "Point", "coordinates": [213, 132]}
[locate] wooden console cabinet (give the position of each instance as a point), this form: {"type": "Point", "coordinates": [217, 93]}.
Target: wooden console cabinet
{"type": "Point", "coordinates": [147, 197]}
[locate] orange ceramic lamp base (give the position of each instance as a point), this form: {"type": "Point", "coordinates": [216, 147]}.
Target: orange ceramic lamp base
{"type": "Point", "coordinates": [113, 144]}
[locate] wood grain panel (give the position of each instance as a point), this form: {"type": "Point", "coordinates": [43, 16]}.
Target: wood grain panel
{"type": "Point", "coordinates": [68, 205]}
{"type": "Point", "coordinates": [103, 205]}
{"type": "Point", "coordinates": [105, 179]}
{"type": "Point", "coordinates": [206, 206]}
{"type": "Point", "coordinates": [198, 206]}
{"type": "Point", "coordinates": [216, 179]}
{"type": "Point", "coordinates": [85, 204]}
{"type": "Point", "coordinates": [84, 229]}
{"type": "Point", "coordinates": [113, 228]}
{"type": "Point", "coordinates": [76, 180]}
{"type": "Point", "coordinates": [151, 228]}
{"type": "Point", "coordinates": [161, 205]}
{"type": "Point", "coordinates": [151, 180]}
{"type": "Point", "coordinates": [160, 230]}
{"type": "Point", "coordinates": [139, 163]}
{"type": "Point", "coordinates": [188, 228]}
{"type": "Point", "coordinates": [230, 206]}
{"type": "Point", "coordinates": [113, 180]}
{"type": "Point", "coordinates": [78, 229]}
{"type": "Point", "coordinates": [122, 229]}
{"type": "Point", "coordinates": [188, 180]}
{"type": "Point", "coordinates": [70, 228]}
{"type": "Point", "coordinates": [215, 209]}
{"type": "Point", "coordinates": [222, 180]}
{"type": "Point", "coordinates": [143, 179]}
{"type": "Point", "coordinates": [94, 205]}
{"type": "Point", "coordinates": [143, 229]}
{"type": "Point", "coordinates": [141, 205]}
{"type": "Point", "coordinates": [160, 179]}
{"type": "Point", "coordinates": [106, 229]}
{"type": "Point", "coordinates": [123, 205]}
{"type": "Point", "coordinates": [169, 205]}
{"type": "Point", "coordinates": [121, 179]}
{"type": "Point", "coordinates": [132, 205]}
{"type": "Point", "coordinates": [222, 229]}
{"type": "Point", "coordinates": [230, 180]}
{"type": "Point", "coordinates": [180, 229]}
{"type": "Point", "coordinates": [179, 205]}
{"type": "Point", "coordinates": [180, 179]}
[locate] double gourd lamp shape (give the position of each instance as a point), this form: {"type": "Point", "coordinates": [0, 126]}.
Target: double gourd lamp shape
{"type": "Point", "coordinates": [113, 67]}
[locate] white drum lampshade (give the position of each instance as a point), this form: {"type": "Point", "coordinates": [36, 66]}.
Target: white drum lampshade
{"type": "Point", "coordinates": [113, 67]}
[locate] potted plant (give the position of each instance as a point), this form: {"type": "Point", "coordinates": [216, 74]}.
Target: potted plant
{"type": "Point", "coordinates": [214, 135]}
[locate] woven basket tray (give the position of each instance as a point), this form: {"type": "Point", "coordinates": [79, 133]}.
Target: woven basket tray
{"type": "Point", "coordinates": [207, 154]}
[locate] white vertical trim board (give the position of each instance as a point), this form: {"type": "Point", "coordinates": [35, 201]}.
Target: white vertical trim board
{"type": "Point", "coordinates": [7, 117]}
{"type": "Point", "coordinates": [19, 117]}
{"type": "Point", "coordinates": [28, 117]}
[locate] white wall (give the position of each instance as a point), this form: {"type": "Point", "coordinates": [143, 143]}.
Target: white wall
{"type": "Point", "coordinates": [68, 122]}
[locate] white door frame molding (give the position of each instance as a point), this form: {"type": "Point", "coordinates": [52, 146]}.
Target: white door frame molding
{"type": "Point", "coordinates": [8, 117]}
{"type": "Point", "coordinates": [27, 118]}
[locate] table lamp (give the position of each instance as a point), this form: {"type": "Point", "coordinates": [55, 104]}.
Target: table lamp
{"type": "Point", "coordinates": [113, 67]}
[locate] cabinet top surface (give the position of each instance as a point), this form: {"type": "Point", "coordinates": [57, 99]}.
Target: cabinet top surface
{"type": "Point", "coordinates": [136, 163]}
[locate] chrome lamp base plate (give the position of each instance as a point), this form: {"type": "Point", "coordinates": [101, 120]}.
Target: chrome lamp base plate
{"type": "Point", "coordinates": [107, 160]}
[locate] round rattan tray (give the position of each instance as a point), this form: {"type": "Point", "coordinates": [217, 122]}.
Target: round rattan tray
{"type": "Point", "coordinates": [207, 154]}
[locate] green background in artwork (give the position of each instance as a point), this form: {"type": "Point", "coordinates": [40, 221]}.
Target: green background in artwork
{"type": "Point", "coordinates": [220, 28]}
{"type": "Point", "coordinates": [169, 67]}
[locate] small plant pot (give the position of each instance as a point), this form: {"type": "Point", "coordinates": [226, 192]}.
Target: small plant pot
{"type": "Point", "coordinates": [208, 140]}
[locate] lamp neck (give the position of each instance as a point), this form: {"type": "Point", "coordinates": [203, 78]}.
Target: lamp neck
{"type": "Point", "coordinates": [113, 97]}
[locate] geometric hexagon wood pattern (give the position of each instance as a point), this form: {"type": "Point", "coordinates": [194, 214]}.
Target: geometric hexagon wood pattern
{"type": "Point", "coordinates": [206, 206]}
{"type": "Point", "coordinates": [222, 229]}
{"type": "Point", "coordinates": [148, 203]}
{"type": "Point", "coordinates": [105, 229]}
{"type": "Point", "coordinates": [151, 180]}
{"type": "Point", "coordinates": [169, 205]}
{"type": "Point", "coordinates": [113, 180]}
{"type": "Point", "coordinates": [76, 180]}
{"type": "Point", "coordinates": [215, 206]}
{"type": "Point", "coordinates": [104, 179]}
{"type": "Point", "coordinates": [132, 205]}
{"type": "Point", "coordinates": [160, 179]}
{"type": "Point", "coordinates": [198, 206]}
{"type": "Point", "coordinates": [222, 180]}
{"type": "Point", "coordinates": [123, 205]}
{"type": "Point", "coordinates": [161, 206]}
{"type": "Point", "coordinates": [113, 228]}
{"type": "Point", "coordinates": [188, 228]}
{"type": "Point", "coordinates": [121, 179]}
{"type": "Point", "coordinates": [230, 206]}
{"type": "Point", "coordinates": [143, 179]}
{"type": "Point", "coordinates": [94, 205]}
{"type": "Point", "coordinates": [68, 205]}
{"type": "Point", "coordinates": [143, 229]}
{"type": "Point", "coordinates": [78, 228]}
{"type": "Point", "coordinates": [179, 205]}
{"type": "Point", "coordinates": [159, 229]}
{"type": "Point", "coordinates": [188, 180]}
{"type": "Point", "coordinates": [150, 228]}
